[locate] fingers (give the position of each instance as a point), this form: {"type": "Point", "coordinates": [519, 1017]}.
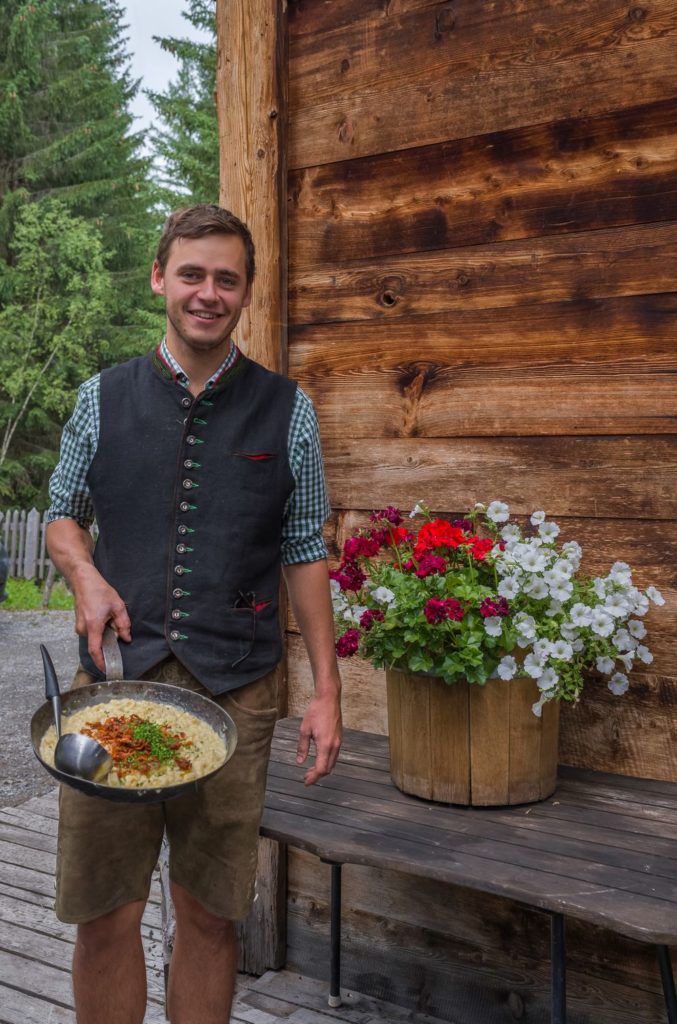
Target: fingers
{"type": "Point", "coordinates": [326, 733]}
{"type": "Point", "coordinates": [303, 745]}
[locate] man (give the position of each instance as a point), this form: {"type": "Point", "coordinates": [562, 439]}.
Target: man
{"type": "Point", "coordinates": [204, 473]}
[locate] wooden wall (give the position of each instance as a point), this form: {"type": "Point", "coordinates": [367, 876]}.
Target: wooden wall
{"type": "Point", "coordinates": [482, 217]}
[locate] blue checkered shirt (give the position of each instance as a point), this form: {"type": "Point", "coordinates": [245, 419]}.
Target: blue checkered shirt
{"type": "Point", "coordinates": [306, 510]}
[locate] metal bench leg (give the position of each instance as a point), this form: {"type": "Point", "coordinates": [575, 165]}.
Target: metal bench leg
{"type": "Point", "coordinates": [335, 935]}
{"type": "Point", "coordinates": [558, 968]}
{"type": "Point", "coordinates": [668, 980]}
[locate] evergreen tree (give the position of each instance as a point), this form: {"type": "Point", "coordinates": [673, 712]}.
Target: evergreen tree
{"type": "Point", "coordinates": [187, 141]}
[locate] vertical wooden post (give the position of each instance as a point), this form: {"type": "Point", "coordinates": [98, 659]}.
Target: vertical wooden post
{"type": "Point", "coordinates": [251, 99]}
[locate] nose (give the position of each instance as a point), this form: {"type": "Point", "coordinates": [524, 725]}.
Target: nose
{"type": "Point", "coordinates": [207, 291]}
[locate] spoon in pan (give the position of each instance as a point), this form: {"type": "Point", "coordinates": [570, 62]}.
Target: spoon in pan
{"type": "Point", "coordinates": [75, 754]}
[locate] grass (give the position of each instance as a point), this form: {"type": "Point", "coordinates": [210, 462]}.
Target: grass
{"type": "Point", "coordinates": [26, 595]}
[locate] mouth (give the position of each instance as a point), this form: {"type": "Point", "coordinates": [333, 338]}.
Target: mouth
{"type": "Point", "coordinates": [204, 316]}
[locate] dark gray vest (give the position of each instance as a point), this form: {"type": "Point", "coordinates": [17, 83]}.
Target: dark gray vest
{"type": "Point", "coordinates": [189, 495]}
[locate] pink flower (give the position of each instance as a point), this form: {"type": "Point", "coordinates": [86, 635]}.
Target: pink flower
{"type": "Point", "coordinates": [429, 565]}
{"type": "Point", "coordinates": [391, 514]}
{"type": "Point", "coordinates": [368, 618]}
{"type": "Point", "coordinates": [347, 644]}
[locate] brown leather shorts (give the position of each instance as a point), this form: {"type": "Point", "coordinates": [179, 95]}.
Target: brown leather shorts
{"type": "Point", "coordinates": [107, 851]}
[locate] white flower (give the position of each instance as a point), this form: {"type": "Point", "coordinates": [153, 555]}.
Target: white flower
{"type": "Point", "coordinates": [354, 613]}
{"type": "Point", "coordinates": [620, 573]}
{"type": "Point", "coordinates": [574, 552]}
{"type": "Point", "coordinates": [542, 648]}
{"type": "Point", "coordinates": [533, 666]}
{"type": "Point", "coordinates": [493, 624]}
{"type": "Point", "coordinates": [637, 628]}
{"type": "Point", "coordinates": [507, 667]}
{"type": "Point", "coordinates": [641, 604]}
{"type": "Point", "coordinates": [537, 708]}
{"type": "Point", "coordinates": [384, 596]}
{"type": "Point", "coordinates": [533, 560]}
{"type": "Point", "coordinates": [548, 531]}
{"type": "Point", "coordinates": [580, 614]}
{"type": "Point", "coordinates": [569, 631]}
{"type": "Point", "coordinates": [599, 586]}
{"type": "Point", "coordinates": [616, 605]}
{"type": "Point", "coordinates": [578, 645]}
{"type": "Point", "coordinates": [335, 586]}
{"type": "Point", "coordinates": [510, 532]}
{"type": "Point", "coordinates": [601, 623]}
{"type": "Point", "coordinates": [644, 654]}
{"type": "Point", "coordinates": [564, 566]}
{"type": "Point", "coordinates": [553, 576]}
{"type": "Point", "coordinates": [622, 640]}
{"type": "Point", "coordinates": [525, 625]}
{"type": "Point", "coordinates": [627, 660]}
{"type": "Point", "coordinates": [417, 510]}
{"type": "Point", "coordinates": [605, 665]}
{"type": "Point", "coordinates": [618, 684]}
{"type": "Point", "coordinates": [537, 518]}
{"type": "Point", "coordinates": [655, 595]}
{"type": "Point", "coordinates": [554, 608]}
{"type": "Point", "coordinates": [498, 512]}
{"type": "Point", "coordinates": [509, 586]}
{"type": "Point", "coordinates": [548, 679]}
{"type": "Point", "coordinates": [562, 591]}
{"type": "Point", "coordinates": [536, 588]}
{"type": "Point", "coordinates": [562, 651]}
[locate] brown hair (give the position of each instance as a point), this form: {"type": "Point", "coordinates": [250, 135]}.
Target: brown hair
{"type": "Point", "coordinates": [200, 220]}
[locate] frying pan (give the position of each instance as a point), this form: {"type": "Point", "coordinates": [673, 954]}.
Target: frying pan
{"type": "Point", "coordinates": [137, 689]}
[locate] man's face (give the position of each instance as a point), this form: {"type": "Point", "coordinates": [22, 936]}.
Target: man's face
{"type": "Point", "coordinates": [205, 289]}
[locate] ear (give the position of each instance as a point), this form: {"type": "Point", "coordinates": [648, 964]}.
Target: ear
{"type": "Point", "coordinates": [157, 280]}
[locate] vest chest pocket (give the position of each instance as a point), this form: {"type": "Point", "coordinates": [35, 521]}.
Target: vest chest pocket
{"type": "Point", "coordinates": [255, 471]}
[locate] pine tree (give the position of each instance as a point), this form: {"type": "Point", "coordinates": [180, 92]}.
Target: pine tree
{"type": "Point", "coordinates": [187, 143]}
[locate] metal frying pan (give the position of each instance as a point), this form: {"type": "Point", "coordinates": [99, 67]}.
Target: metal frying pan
{"type": "Point", "coordinates": [138, 689]}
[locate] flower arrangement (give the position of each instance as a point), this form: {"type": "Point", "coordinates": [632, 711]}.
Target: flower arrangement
{"type": "Point", "coordinates": [476, 598]}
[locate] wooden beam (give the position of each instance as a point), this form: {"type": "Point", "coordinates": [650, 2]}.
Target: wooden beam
{"type": "Point", "coordinates": [251, 107]}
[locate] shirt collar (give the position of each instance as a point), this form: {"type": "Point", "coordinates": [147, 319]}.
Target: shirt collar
{"type": "Point", "coordinates": [182, 377]}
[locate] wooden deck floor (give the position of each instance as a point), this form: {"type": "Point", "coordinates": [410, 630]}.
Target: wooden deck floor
{"type": "Point", "coordinates": [36, 949]}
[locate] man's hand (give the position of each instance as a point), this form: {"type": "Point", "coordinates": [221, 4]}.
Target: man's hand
{"type": "Point", "coordinates": [321, 724]}
{"type": "Point", "coordinates": [96, 602]}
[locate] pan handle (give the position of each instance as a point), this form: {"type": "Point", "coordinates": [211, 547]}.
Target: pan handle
{"type": "Point", "coordinates": [112, 658]}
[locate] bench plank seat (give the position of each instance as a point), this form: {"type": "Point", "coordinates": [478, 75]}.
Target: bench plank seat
{"type": "Point", "coordinates": [601, 849]}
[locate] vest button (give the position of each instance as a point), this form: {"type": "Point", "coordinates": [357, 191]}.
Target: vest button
{"type": "Point", "coordinates": [186, 402]}
{"type": "Point", "coordinates": [191, 439]}
{"type": "Point", "coordinates": [180, 548]}
{"type": "Point", "coordinates": [182, 529]}
{"type": "Point", "coordinates": [184, 506]}
{"type": "Point", "coordinates": [176, 614]}
{"type": "Point", "coordinates": [179, 570]}
{"type": "Point", "coordinates": [188, 463]}
{"type": "Point", "coordinates": [187, 484]}
{"type": "Point", "coordinates": [177, 592]}
{"type": "Point", "coordinates": [175, 635]}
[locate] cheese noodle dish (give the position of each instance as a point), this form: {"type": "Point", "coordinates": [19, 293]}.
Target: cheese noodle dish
{"type": "Point", "coordinates": [152, 745]}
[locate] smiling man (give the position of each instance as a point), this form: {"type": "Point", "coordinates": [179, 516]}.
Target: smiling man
{"type": "Point", "coordinates": [204, 473]}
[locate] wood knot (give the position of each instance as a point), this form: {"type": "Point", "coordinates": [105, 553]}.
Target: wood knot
{"type": "Point", "coordinates": [390, 292]}
{"type": "Point", "coordinates": [260, 153]}
{"type": "Point", "coordinates": [412, 381]}
{"type": "Point", "coordinates": [462, 279]}
{"type": "Point", "coordinates": [345, 65]}
{"type": "Point", "coordinates": [273, 114]}
{"type": "Point", "coordinates": [345, 132]}
{"type": "Point", "coordinates": [444, 22]}
{"type": "Point", "coordinates": [637, 13]}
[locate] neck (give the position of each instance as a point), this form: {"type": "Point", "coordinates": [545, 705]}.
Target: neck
{"type": "Point", "coordinates": [198, 366]}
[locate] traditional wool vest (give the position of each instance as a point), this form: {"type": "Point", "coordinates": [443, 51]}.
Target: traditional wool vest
{"type": "Point", "coordinates": [189, 495]}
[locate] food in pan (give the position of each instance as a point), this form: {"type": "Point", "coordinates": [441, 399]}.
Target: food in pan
{"type": "Point", "coordinates": [152, 744]}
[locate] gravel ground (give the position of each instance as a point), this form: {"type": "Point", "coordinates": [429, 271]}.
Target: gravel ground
{"type": "Point", "coordinates": [22, 692]}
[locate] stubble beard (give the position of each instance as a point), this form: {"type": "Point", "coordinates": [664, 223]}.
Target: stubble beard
{"type": "Point", "coordinates": [200, 345]}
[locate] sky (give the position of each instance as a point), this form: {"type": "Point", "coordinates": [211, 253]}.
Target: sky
{"type": "Point", "coordinates": [147, 18]}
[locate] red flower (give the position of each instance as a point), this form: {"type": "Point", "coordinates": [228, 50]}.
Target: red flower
{"type": "Point", "coordinates": [368, 618]}
{"type": "Point", "coordinates": [489, 607]}
{"type": "Point", "coordinates": [397, 535]}
{"type": "Point", "coordinates": [365, 546]}
{"type": "Point", "coordinates": [349, 576]}
{"type": "Point", "coordinates": [437, 609]}
{"type": "Point", "coordinates": [438, 534]}
{"type": "Point", "coordinates": [347, 644]}
{"type": "Point", "coordinates": [463, 524]}
{"type": "Point", "coordinates": [481, 548]}
{"type": "Point", "coordinates": [429, 565]}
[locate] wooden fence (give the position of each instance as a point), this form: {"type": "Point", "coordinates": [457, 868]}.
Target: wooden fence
{"type": "Point", "coordinates": [23, 534]}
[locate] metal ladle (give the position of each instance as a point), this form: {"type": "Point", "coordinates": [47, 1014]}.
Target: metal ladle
{"type": "Point", "coordinates": [75, 754]}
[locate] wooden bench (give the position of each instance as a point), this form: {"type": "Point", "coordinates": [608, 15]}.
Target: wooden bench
{"type": "Point", "coordinates": [601, 849]}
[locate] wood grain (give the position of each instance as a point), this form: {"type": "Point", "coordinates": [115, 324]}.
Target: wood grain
{"type": "Point", "coordinates": [599, 264]}
{"type": "Point", "coordinates": [551, 178]}
{"type": "Point", "coordinates": [251, 108]}
{"type": "Point", "coordinates": [390, 117]}
{"type": "Point", "coordinates": [591, 477]}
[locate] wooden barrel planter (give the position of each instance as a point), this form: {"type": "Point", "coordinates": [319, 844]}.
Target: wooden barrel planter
{"type": "Point", "coordinates": [469, 744]}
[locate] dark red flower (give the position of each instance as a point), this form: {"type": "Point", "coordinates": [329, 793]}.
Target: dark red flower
{"type": "Point", "coordinates": [455, 609]}
{"type": "Point", "coordinates": [435, 611]}
{"type": "Point", "coordinates": [349, 576]}
{"type": "Point", "coordinates": [360, 546]}
{"type": "Point", "coordinates": [429, 565]}
{"type": "Point", "coordinates": [347, 644]}
{"type": "Point", "coordinates": [368, 618]}
{"type": "Point", "coordinates": [491, 607]}
{"type": "Point", "coordinates": [390, 514]}
{"type": "Point", "coordinates": [462, 524]}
